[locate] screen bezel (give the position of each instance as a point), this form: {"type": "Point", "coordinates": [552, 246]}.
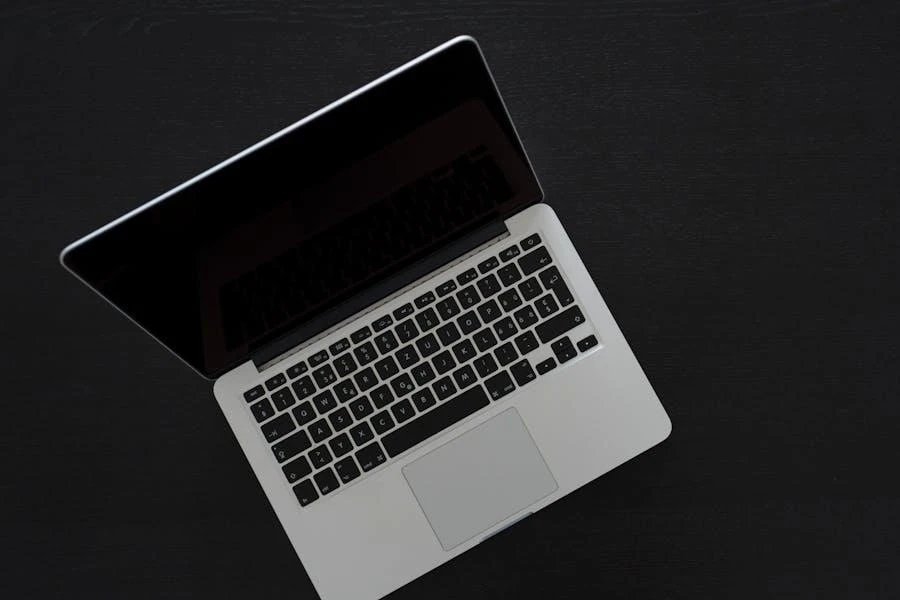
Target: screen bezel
{"type": "Point", "coordinates": [458, 44]}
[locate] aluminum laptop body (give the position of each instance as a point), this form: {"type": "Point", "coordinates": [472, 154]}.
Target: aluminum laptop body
{"type": "Point", "coordinates": [407, 346]}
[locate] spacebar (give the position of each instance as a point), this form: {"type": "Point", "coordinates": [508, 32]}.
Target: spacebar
{"type": "Point", "coordinates": [435, 421]}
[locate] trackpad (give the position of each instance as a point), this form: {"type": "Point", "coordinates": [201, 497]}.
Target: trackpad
{"type": "Point", "coordinates": [479, 479]}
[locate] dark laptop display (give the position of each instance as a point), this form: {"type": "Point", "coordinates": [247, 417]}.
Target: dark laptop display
{"type": "Point", "coordinates": [291, 233]}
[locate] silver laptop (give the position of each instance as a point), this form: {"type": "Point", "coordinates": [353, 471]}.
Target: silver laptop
{"type": "Point", "coordinates": [408, 348]}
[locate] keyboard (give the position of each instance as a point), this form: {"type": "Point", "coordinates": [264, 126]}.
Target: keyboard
{"type": "Point", "coordinates": [344, 410]}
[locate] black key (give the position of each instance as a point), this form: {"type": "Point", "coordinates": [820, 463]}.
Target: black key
{"type": "Point", "coordinates": [505, 354]}
{"type": "Point", "coordinates": [344, 365]}
{"type": "Point", "coordinates": [467, 276]}
{"type": "Point", "coordinates": [558, 325]}
{"type": "Point", "coordinates": [382, 322]}
{"type": "Point", "coordinates": [488, 286]}
{"type": "Point", "coordinates": [345, 390]}
{"type": "Point", "coordinates": [291, 446]}
{"type": "Point", "coordinates": [427, 319]}
{"type": "Point", "coordinates": [445, 288]}
{"type": "Point", "coordinates": [552, 280]}
{"type": "Point", "coordinates": [463, 351]}
{"type": "Point", "coordinates": [563, 349]}
{"type": "Point", "coordinates": [303, 387]}
{"type": "Point", "coordinates": [283, 398]}
{"type": "Point", "coordinates": [319, 456]}
{"type": "Point", "coordinates": [587, 343]}
{"type": "Point", "coordinates": [485, 339]}
{"type": "Point", "coordinates": [530, 289]}
{"type": "Point", "coordinates": [435, 421]}
{"type": "Point", "coordinates": [276, 381]}
{"type": "Point", "coordinates": [305, 492]}
{"type": "Point", "coordinates": [489, 311]}
{"type": "Point", "coordinates": [262, 410]}
{"type": "Point", "coordinates": [403, 311]}
{"type": "Point", "coordinates": [526, 342]}
{"type": "Point", "coordinates": [304, 413]}
{"type": "Point", "coordinates": [361, 433]}
{"type": "Point", "coordinates": [505, 328]}
{"type": "Point", "coordinates": [530, 242]}
{"type": "Point", "coordinates": [382, 421]}
{"type": "Point", "coordinates": [509, 254]}
{"type": "Point", "coordinates": [423, 373]}
{"type": "Point", "coordinates": [488, 265]}
{"type": "Point", "coordinates": [365, 353]}
{"type": "Point", "coordinates": [324, 376]}
{"type": "Point", "coordinates": [443, 362]}
{"type": "Point", "coordinates": [278, 427]}
{"type": "Point", "coordinates": [254, 393]}
{"type": "Point", "coordinates": [447, 308]}
{"type": "Point", "coordinates": [324, 402]}
{"type": "Point", "coordinates": [546, 366]}
{"type": "Point", "coordinates": [340, 445]}
{"type": "Point", "coordinates": [360, 334]}
{"type": "Point", "coordinates": [297, 370]}
{"type": "Point", "coordinates": [485, 365]}
{"type": "Point", "coordinates": [510, 299]}
{"type": "Point", "coordinates": [448, 333]}
{"type": "Point", "coordinates": [326, 481]}
{"type": "Point", "coordinates": [464, 376]}
{"type": "Point", "coordinates": [340, 419]}
{"type": "Point", "coordinates": [427, 345]}
{"type": "Point", "coordinates": [385, 341]}
{"type": "Point", "coordinates": [407, 356]}
{"type": "Point", "coordinates": [320, 430]}
{"type": "Point", "coordinates": [386, 368]}
{"type": "Point", "coordinates": [297, 469]}
{"type": "Point", "coordinates": [469, 322]}
{"type": "Point", "coordinates": [365, 379]}
{"type": "Point", "coordinates": [406, 331]}
{"type": "Point", "coordinates": [468, 296]}
{"type": "Point", "coordinates": [382, 396]}
{"type": "Point", "coordinates": [402, 384]}
{"type": "Point", "coordinates": [403, 411]}
{"type": "Point", "coordinates": [424, 299]}
{"type": "Point", "coordinates": [534, 260]}
{"type": "Point", "coordinates": [522, 372]}
{"type": "Point", "coordinates": [318, 358]}
{"type": "Point", "coordinates": [525, 317]}
{"type": "Point", "coordinates": [509, 274]}
{"type": "Point", "coordinates": [339, 346]}
{"type": "Point", "coordinates": [361, 408]}
{"type": "Point", "coordinates": [423, 399]}
{"type": "Point", "coordinates": [444, 388]}
{"type": "Point", "coordinates": [346, 470]}
{"type": "Point", "coordinates": [546, 305]}
{"type": "Point", "coordinates": [370, 457]}
{"type": "Point", "coordinates": [499, 385]}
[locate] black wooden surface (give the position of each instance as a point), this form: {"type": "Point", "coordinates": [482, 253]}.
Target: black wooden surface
{"type": "Point", "coordinates": [728, 170]}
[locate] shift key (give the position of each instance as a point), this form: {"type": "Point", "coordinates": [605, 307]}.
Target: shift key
{"type": "Point", "coordinates": [556, 326]}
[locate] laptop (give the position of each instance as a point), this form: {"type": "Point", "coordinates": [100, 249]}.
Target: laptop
{"type": "Point", "coordinates": [405, 342]}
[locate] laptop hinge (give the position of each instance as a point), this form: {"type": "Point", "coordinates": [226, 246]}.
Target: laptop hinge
{"type": "Point", "coordinates": [280, 348]}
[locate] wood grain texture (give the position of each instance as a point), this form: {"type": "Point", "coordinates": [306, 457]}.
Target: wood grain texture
{"type": "Point", "coordinates": [728, 170]}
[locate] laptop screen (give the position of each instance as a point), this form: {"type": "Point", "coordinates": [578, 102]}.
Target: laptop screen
{"type": "Point", "coordinates": [257, 247]}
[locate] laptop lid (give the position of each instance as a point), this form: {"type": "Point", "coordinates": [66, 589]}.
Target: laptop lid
{"type": "Point", "coordinates": [288, 236]}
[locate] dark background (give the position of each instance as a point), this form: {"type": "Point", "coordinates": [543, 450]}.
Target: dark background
{"type": "Point", "coordinates": [728, 170]}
